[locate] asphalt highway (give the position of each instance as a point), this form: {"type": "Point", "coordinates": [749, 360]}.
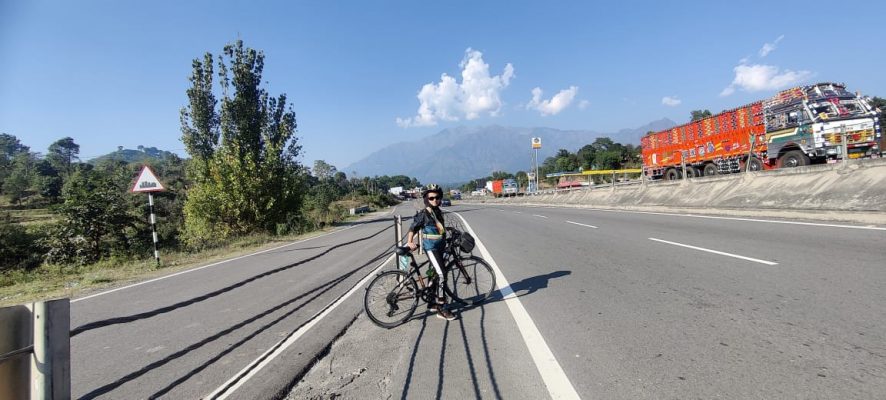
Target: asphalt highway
{"type": "Point", "coordinates": [592, 304]}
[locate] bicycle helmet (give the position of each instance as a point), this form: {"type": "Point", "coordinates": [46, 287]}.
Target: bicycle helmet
{"type": "Point", "coordinates": [431, 188]}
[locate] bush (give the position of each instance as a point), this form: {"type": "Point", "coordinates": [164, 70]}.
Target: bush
{"type": "Point", "coordinates": [16, 246]}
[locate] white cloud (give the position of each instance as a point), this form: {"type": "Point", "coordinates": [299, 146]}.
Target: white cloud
{"type": "Point", "coordinates": [583, 104]}
{"type": "Point", "coordinates": [555, 104]}
{"type": "Point", "coordinates": [769, 47]}
{"type": "Point", "coordinates": [476, 95]}
{"type": "Point", "coordinates": [757, 77]}
{"type": "Point", "coordinates": [671, 101]}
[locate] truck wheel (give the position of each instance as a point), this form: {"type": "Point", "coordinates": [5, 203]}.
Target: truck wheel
{"type": "Point", "coordinates": [793, 158]}
{"type": "Point", "coordinates": [692, 172]}
{"type": "Point", "coordinates": [754, 163]}
{"type": "Point", "coordinates": [671, 174]}
{"type": "Point", "coordinates": [710, 169]}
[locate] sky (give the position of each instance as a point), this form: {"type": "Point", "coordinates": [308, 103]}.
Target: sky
{"type": "Point", "coordinates": [362, 75]}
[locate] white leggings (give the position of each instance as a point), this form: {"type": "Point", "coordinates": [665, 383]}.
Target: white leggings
{"type": "Point", "coordinates": [435, 259]}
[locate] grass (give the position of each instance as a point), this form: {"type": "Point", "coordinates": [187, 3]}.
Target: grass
{"type": "Point", "coordinates": [55, 281]}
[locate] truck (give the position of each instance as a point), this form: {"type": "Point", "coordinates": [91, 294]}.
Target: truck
{"type": "Point", "coordinates": [796, 127]}
{"type": "Point", "coordinates": [502, 187]}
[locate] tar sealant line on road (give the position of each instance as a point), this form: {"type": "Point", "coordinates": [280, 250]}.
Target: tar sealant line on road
{"type": "Point", "coordinates": [231, 385]}
{"type": "Point", "coordinates": [207, 266]}
{"type": "Point", "coordinates": [555, 379]}
{"type": "Point", "coordinates": [216, 263]}
{"type": "Point", "coordinates": [716, 252]}
{"type": "Point", "coordinates": [540, 216]}
{"type": "Point", "coordinates": [580, 224]}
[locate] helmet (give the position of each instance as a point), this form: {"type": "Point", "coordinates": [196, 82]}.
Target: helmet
{"type": "Point", "coordinates": [432, 187]}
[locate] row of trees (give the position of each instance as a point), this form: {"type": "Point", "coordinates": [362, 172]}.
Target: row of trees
{"type": "Point", "coordinates": [602, 154]}
{"type": "Point", "coordinates": [243, 177]}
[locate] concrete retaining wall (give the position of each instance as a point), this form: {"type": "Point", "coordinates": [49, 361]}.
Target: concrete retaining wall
{"type": "Point", "coordinates": [859, 190]}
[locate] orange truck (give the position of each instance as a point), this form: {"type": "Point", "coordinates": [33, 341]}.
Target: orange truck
{"type": "Point", "coordinates": [502, 187]}
{"type": "Point", "coordinates": [799, 126]}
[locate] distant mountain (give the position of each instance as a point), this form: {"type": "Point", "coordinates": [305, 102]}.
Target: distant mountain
{"type": "Point", "coordinates": [134, 156]}
{"type": "Point", "coordinates": [456, 155]}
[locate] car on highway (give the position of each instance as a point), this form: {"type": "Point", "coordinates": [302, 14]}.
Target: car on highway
{"type": "Point", "coordinates": [446, 203]}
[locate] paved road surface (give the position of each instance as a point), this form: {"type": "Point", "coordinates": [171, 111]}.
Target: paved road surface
{"type": "Point", "coordinates": [624, 305]}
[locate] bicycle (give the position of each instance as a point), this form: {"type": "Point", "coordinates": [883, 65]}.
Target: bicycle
{"type": "Point", "coordinates": [392, 296]}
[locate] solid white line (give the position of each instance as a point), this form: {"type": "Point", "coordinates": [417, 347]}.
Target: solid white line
{"type": "Point", "coordinates": [576, 223]}
{"type": "Point", "coordinates": [540, 216]}
{"type": "Point", "coordinates": [556, 381]}
{"type": "Point", "coordinates": [716, 252]}
{"type": "Point", "coordinates": [256, 365]}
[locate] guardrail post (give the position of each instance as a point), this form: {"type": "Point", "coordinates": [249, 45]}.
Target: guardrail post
{"type": "Point", "coordinates": [15, 334]}
{"type": "Point", "coordinates": [51, 362]}
{"type": "Point", "coordinates": [398, 231]}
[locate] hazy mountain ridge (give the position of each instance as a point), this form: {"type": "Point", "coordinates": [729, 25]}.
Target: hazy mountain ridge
{"type": "Point", "coordinates": [463, 153]}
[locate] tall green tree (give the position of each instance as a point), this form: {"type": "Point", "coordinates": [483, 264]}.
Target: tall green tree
{"type": "Point", "coordinates": [323, 171]}
{"type": "Point", "coordinates": [696, 115]}
{"type": "Point", "coordinates": [63, 154]}
{"type": "Point", "coordinates": [10, 147]}
{"type": "Point", "coordinates": [247, 177]}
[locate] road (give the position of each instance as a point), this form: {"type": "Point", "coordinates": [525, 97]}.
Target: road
{"type": "Point", "coordinates": [642, 306]}
{"type": "Point", "coordinates": [600, 304]}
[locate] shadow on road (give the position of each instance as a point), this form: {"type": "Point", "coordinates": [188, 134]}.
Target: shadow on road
{"type": "Point", "coordinates": [317, 292]}
{"type": "Point", "coordinates": [148, 314]}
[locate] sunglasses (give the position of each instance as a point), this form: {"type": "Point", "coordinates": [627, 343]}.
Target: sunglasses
{"type": "Point", "coordinates": [433, 198]}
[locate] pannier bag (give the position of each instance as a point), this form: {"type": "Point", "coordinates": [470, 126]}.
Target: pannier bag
{"type": "Point", "coordinates": [465, 242]}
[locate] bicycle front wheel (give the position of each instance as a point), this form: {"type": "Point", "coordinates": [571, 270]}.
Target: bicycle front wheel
{"type": "Point", "coordinates": [469, 280]}
{"type": "Point", "coordinates": [391, 299]}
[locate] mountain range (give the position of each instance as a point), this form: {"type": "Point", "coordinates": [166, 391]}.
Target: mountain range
{"type": "Point", "coordinates": [457, 155]}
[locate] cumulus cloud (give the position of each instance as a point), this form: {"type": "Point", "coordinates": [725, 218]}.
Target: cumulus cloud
{"type": "Point", "coordinates": [757, 77]}
{"type": "Point", "coordinates": [555, 104]}
{"type": "Point", "coordinates": [448, 100]}
{"type": "Point", "coordinates": [671, 101]}
{"type": "Point", "coordinates": [769, 47]}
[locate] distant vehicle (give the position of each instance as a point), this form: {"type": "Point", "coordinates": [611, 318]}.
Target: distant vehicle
{"type": "Point", "coordinates": [455, 194]}
{"type": "Point", "coordinates": [502, 187]}
{"type": "Point", "coordinates": [445, 203]}
{"type": "Point", "coordinates": [800, 126]}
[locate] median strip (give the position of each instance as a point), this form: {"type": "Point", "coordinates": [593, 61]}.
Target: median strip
{"type": "Point", "coordinates": [716, 252]}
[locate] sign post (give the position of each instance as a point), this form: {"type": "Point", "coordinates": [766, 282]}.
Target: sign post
{"type": "Point", "coordinates": [147, 182]}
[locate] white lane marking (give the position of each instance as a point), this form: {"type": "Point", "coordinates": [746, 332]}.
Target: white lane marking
{"type": "Point", "coordinates": [214, 264]}
{"type": "Point", "coordinates": [278, 348]}
{"type": "Point", "coordinates": [576, 223]}
{"type": "Point", "coordinates": [540, 216]}
{"type": "Point", "coordinates": [556, 381]}
{"type": "Point", "coordinates": [518, 212]}
{"type": "Point", "coordinates": [716, 252]}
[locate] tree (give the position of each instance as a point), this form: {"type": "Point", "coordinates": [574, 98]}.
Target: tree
{"type": "Point", "coordinates": [62, 155]}
{"type": "Point", "coordinates": [246, 173]}
{"type": "Point", "coordinates": [323, 171]}
{"type": "Point", "coordinates": [496, 175]}
{"type": "Point", "coordinates": [522, 179]}
{"type": "Point", "coordinates": [21, 177]}
{"type": "Point", "coordinates": [700, 114]}
{"type": "Point", "coordinates": [10, 146]}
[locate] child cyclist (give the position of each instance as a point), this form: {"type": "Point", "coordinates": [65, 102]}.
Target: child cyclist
{"type": "Point", "coordinates": [430, 222]}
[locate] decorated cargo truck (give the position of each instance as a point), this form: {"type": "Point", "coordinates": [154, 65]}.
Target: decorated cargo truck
{"type": "Point", "coordinates": [799, 126]}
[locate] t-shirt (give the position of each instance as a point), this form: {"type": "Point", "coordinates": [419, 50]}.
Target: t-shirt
{"type": "Point", "coordinates": [432, 235]}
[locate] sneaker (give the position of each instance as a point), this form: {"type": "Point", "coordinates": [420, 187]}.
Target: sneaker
{"type": "Point", "coordinates": [433, 307]}
{"type": "Point", "coordinates": [445, 314]}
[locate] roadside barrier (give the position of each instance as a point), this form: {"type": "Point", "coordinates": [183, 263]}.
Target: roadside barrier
{"type": "Point", "coordinates": [35, 351]}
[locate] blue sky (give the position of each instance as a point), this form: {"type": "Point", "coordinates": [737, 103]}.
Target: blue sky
{"type": "Point", "coordinates": [111, 73]}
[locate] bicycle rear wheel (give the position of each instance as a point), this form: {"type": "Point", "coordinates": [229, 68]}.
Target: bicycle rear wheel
{"type": "Point", "coordinates": [469, 280]}
{"type": "Point", "coordinates": [391, 299]}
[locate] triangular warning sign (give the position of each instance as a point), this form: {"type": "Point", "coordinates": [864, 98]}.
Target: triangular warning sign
{"type": "Point", "coordinates": [147, 182]}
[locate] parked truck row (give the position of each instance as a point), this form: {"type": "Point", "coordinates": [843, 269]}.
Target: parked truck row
{"type": "Point", "coordinates": [796, 127]}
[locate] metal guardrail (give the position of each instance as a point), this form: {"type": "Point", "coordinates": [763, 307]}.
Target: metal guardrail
{"type": "Point", "coordinates": [40, 331]}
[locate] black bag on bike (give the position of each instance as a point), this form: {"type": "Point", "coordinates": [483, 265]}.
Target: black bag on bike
{"type": "Point", "coordinates": [465, 242]}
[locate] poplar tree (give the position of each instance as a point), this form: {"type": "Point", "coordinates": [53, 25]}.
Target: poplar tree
{"type": "Point", "coordinates": [245, 171]}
